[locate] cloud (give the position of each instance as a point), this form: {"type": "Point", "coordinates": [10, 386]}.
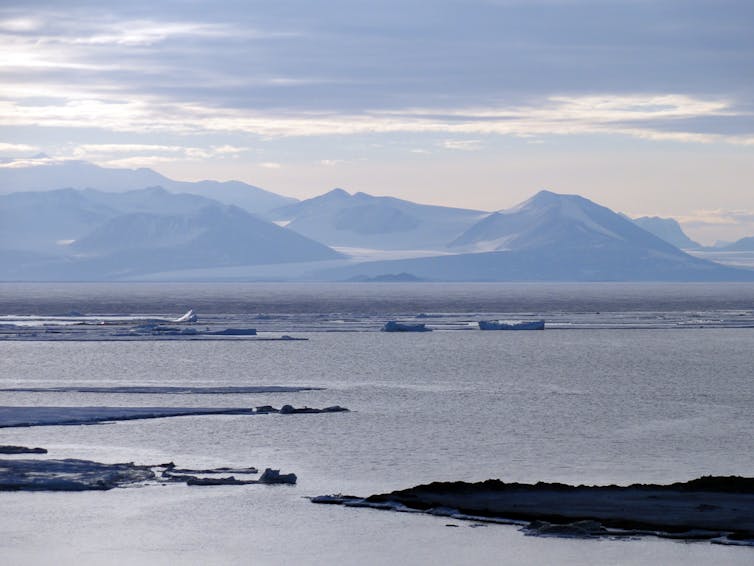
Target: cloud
{"type": "Point", "coordinates": [360, 59]}
{"type": "Point", "coordinates": [463, 145]}
{"type": "Point", "coordinates": [270, 165]}
{"type": "Point", "coordinates": [136, 162]}
{"type": "Point", "coordinates": [22, 163]}
{"type": "Point", "coordinates": [6, 148]}
{"type": "Point", "coordinates": [717, 217]}
{"type": "Point", "coordinates": [147, 155]}
{"type": "Point", "coordinates": [712, 225]}
{"type": "Point", "coordinates": [632, 115]}
{"type": "Point", "coordinates": [119, 154]}
{"type": "Point", "coordinates": [21, 24]}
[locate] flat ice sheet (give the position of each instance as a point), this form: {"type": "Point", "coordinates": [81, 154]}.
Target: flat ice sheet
{"type": "Point", "coordinates": [41, 416]}
{"type": "Point", "coordinates": [149, 389]}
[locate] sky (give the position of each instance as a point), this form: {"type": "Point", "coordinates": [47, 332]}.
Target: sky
{"type": "Point", "coordinates": [645, 106]}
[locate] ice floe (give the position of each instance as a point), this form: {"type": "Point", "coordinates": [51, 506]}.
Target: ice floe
{"type": "Point", "coordinates": [69, 475]}
{"type": "Point", "coordinates": [86, 475]}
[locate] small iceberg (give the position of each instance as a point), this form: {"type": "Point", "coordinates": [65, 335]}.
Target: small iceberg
{"type": "Point", "coordinates": [394, 326]}
{"type": "Point", "coordinates": [190, 316]}
{"type": "Point", "coordinates": [511, 325]}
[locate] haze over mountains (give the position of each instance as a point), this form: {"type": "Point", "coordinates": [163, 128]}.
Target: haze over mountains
{"type": "Point", "coordinates": [121, 224]}
{"type": "Point", "coordinates": [83, 175]}
{"type": "Point", "coordinates": [70, 234]}
{"type": "Point", "coordinates": [669, 230]}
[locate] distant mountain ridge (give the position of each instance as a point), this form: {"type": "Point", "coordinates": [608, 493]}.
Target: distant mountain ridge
{"type": "Point", "coordinates": [669, 230]}
{"type": "Point", "coordinates": [359, 220]}
{"type": "Point", "coordinates": [84, 175]}
{"type": "Point", "coordinates": [42, 221]}
{"type": "Point", "coordinates": [742, 245]}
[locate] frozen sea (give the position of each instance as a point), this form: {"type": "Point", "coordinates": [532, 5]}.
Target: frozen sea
{"type": "Point", "coordinates": [629, 383]}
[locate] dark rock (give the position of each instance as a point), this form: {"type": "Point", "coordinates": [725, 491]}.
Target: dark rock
{"type": "Point", "coordinates": [8, 449]}
{"type": "Point", "coordinates": [271, 476]}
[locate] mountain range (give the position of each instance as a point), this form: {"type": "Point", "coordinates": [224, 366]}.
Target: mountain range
{"type": "Point", "coordinates": [553, 237]}
{"type": "Point", "coordinates": [114, 224]}
{"type": "Point", "coordinates": [71, 234]}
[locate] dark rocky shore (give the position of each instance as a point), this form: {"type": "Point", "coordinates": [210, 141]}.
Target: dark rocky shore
{"type": "Point", "coordinates": [710, 507]}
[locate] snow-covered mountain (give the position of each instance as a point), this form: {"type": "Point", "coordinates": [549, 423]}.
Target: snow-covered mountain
{"type": "Point", "coordinates": [553, 237]}
{"type": "Point", "coordinates": [553, 220]}
{"type": "Point", "coordinates": [359, 220]}
{"type": "Point", "coordinates": [85, 175]}
{"type": "Point", "coordinates": [669, 230]}
{"type": "Point", "coordinates": [91, 235]}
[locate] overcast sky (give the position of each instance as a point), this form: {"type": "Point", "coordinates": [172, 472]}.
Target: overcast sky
{"type": "Point", "coordinates": [643, 105]}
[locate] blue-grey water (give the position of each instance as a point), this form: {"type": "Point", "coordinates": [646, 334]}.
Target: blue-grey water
{"type": "Point", "coordinates": [664, 399]}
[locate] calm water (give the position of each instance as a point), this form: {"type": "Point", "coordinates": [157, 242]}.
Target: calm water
{"type": "Point", "coordinates": [598, 405]}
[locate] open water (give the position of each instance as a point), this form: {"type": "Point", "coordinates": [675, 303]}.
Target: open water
{"type": "Point", "coordinates": [632, 383]}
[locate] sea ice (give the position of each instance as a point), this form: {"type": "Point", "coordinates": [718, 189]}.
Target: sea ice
{"type": "Point", "coordinates": [46, 416]}
{"type": "Point", "coordinates": [511, 325]}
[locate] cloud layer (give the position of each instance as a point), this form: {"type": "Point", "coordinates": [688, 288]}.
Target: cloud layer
{"type": "Point", "coordinates": [646, 69]}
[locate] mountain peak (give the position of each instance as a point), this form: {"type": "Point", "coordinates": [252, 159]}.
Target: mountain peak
{"type": "Point", "coordinates": [555, 221]}
{"type": "Point", "coordinates": [546, 196]}
{"type": "Point", "coordinates": [337, 193]}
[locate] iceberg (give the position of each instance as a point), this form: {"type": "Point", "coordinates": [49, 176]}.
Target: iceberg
{"type": "Point", "coordinates": [511, 325]}
{"type": "Point", "coordinates": [394, 326]}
